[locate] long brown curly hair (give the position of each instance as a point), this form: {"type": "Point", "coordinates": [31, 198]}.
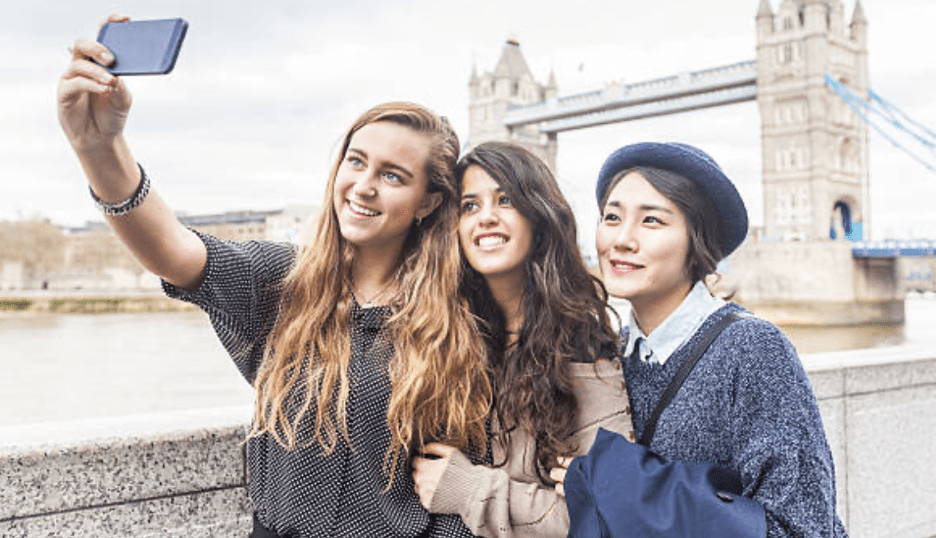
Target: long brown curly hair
{"type": "Point", "coordinates": [565, 317]}
{"type": "Point", "coordinates": [440, 390]}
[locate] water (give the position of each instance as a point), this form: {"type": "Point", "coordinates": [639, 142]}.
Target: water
{"type": "Point", "coordinates": [66, 366]}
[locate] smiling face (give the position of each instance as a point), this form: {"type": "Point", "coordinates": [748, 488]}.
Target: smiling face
{"type": "Point", "coordinates": [643, 249]}
{"type": "Point", "coordinates": [381, 186]}
{"type": "Point", "coordinates": [494, 236]}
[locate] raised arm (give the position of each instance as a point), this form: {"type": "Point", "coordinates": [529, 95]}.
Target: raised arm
{"type": "Point", "coordinates": [92, 108]}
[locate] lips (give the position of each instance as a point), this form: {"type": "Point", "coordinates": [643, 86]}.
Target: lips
{"type": "Point", "coordinates": [362, 211]}
{"type": "Point", "coordinates": [621, 267]}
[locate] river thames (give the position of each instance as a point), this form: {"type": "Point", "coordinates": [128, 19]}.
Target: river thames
{"type": "Point", "coordinates": [68, 366]}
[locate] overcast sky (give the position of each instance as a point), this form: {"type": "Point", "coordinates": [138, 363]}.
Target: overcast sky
{"type": "Point", "coordinates": [262, 91]}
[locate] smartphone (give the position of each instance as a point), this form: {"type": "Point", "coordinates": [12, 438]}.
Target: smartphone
{"type": "Point", "coordinates": [145, 47]}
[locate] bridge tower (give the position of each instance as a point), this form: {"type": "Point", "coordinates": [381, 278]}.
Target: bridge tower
{"type": "Point", "coordinates": [814, 149]}
{"type": "Point", "coordinates": [491, 96]}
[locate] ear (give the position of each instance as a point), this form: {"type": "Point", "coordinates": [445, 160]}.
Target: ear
{"type": "Point", "coordinates": [429, 204]}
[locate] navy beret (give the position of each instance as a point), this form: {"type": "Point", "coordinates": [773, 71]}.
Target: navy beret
{"type": "Point", "coordinates": [693, 164]}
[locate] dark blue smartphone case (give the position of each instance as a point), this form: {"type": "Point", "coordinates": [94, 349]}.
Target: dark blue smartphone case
{"type": "Point", "coordinates": [147, 47]}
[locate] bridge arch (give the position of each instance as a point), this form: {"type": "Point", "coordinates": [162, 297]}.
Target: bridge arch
{"type": "Point", "coordinates": [844, 220]}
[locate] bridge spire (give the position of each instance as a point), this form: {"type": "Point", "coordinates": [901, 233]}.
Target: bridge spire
{"type": "Point", "coordinates": [858, 16]}
{"type": "Point", "coordinates": [493, 93]}
{"type": "Point", "coordinates": [764, 9]}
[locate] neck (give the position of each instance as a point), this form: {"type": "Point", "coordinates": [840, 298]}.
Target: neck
{"type": "Point", "coordinates": [651, 312]}
{"type": "Point", "coordinates": [372, 273]}
{"type": "Point", "coordinates": [508, 293]}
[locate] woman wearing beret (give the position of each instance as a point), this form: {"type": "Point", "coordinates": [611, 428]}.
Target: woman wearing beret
{"type": "Point", "coordinates": [668, 216]}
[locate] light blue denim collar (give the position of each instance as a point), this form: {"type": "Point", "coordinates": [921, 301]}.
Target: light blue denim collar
{"type": "Point", "coordinates": [676, 329]}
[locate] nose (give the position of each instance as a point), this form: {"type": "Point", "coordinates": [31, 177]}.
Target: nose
{"type": "Point", "coordinates": [626, 238]}
{"type": "Point", "coordinates": [365, 186]}
{"type": "Point", "coordinates": [487, 215]}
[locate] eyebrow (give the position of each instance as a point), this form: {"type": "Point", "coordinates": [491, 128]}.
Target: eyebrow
{"type": "Point", "coordinates": [498, 190]}
{"type": "Point", "coordinates": [386, 165]}
{"type": "Point", "coordinates": [642, 207]}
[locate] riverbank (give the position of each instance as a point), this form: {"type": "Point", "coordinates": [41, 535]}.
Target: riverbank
{"type": "Point", "coordinates": [89, 302]}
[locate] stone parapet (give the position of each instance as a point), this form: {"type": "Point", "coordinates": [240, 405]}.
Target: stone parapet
{"type": "Point", "coordinates": [170, 475]}
{"type": "Point", "coordinates": [182, 474]}
{"type": "Point", "coordinates": [879, 411]}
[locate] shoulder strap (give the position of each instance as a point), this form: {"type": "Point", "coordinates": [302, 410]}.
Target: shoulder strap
{"type": "Point", "coordinates": [694, 355]}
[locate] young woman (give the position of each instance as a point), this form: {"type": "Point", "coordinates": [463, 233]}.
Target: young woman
{"type": "Point", "coordinates": [551, 349]}
{"type": "Point", "coordinates": [355, 346]}
{"type": "Point", "coordinates": [668, 216]}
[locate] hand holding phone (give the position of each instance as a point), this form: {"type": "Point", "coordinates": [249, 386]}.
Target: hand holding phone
{"type": "Point", "coordinates": [145, 47]}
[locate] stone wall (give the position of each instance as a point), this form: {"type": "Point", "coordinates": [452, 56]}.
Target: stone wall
{"type": "Point", "coordinates": [879, 410]}
{"type": "Point", "coordinates": [170, 475]}
{"type": "Point", "coordinates": [181, 474]}
{"type": "Point", "coordinates": [814, 283]}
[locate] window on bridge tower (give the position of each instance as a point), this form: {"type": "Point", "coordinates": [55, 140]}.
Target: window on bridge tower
{"type": "Point", "coordinates": [788, 23]}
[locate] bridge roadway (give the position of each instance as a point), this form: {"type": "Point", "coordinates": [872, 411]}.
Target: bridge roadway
{"type": "Point", "coordinates": [894, 248]}
{"type": "Point", "coordinates": [617, 102]}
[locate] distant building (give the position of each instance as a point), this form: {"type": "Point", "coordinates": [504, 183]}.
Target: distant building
{"type": "Point", "coordinates": [96, 259]}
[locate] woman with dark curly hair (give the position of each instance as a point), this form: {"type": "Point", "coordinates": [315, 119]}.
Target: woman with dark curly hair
{"type": "Point", "coordinates": [551, 348]}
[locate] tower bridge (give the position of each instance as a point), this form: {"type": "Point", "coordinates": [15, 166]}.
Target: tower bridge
{"type": "Point", "coordinates": [814, 154]}
{"type": "Point", "coordinates": [615, 103]}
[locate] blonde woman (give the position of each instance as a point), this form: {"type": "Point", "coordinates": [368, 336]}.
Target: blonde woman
{"type": "Point", "coordinates": [355, 347]}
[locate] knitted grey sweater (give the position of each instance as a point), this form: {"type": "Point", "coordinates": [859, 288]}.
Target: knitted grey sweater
{"type": "Point", "coordinates": [748, 406]}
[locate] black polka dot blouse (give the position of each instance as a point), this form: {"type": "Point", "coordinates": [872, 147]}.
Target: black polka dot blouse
{"type": "Point", "coordinates": [303, 493]}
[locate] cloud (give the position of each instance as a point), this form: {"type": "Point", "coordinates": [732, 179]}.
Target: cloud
{"type": "Point", "coordinates": [263, 90]}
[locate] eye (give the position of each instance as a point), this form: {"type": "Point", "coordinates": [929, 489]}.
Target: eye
{"type": "Point", "coordinates": [610, 217]}
{"type": "Point", "coordinates": [650, 219]}
{"type": "Point", "coordinates": [354, 161]}
{"type": "Point", "coordinates": [468, 206]}
{"type": "Point", "coordinates": [503, 199]}
{"type": "Point", "coordinates": [392, 177]}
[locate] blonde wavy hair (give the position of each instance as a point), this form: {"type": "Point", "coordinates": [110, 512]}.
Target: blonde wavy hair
{"type": "Point", "coordinates": [439, 387]}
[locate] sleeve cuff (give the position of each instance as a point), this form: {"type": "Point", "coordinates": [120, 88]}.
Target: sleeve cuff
{"type": "Point", "coordinates": [196, 294]}
{"type": "Point", "coordinates": [457, 485]}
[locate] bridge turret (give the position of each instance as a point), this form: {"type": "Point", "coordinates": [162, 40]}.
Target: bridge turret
{"type": "Point", "coordinates": [859, 26]}
{"type": "Point", "coordinates": [814, 151]}
{"type": "Point", "coordinates": [474, 83]}
{"type": "Point", "coordinates": [552, 89]}
{"type": "Point", "coordinates": [837, 19]}
{"type": "Point", "coordinates": [765, 20]}
{"type": "Point", "coordinates": [493, 93]}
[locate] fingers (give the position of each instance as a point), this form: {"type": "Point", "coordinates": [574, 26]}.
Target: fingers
{"type": "Point", "coordinates": [89, 70]}
{"type": "Point", "coordinates": [438, 449]}
{"type": "Point", "coordinates": [557, 474]}
{"type": "Point", "coordinates": [426, 475]}
{"type": "Point", "coordinates": [88, 49]}
{"type": "Point", "coordinates": [114, 17]}
{"type": "Point", "coordinates": [565, 461]}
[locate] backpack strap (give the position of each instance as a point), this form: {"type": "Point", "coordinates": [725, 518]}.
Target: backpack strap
{"type": "Point", "coordinates": [695, 354]}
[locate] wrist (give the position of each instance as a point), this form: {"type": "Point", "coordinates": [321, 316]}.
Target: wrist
{"type": "Point", "coordinates": [112, 172]}
{"type": "Point", "coordinates": [124, 206]}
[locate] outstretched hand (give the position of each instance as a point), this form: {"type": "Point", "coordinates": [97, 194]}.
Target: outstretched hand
{"type": "Point", "coordinates": [92, 104]}
{"type": "Point", "coordinates": [428, 471]}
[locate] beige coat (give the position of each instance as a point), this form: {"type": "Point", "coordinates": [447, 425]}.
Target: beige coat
{"type": "Point", "coordinates": [510, 501]}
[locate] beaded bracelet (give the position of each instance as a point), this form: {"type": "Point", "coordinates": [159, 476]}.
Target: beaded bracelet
{"type": "Point", "coordinates": [122, 208]}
